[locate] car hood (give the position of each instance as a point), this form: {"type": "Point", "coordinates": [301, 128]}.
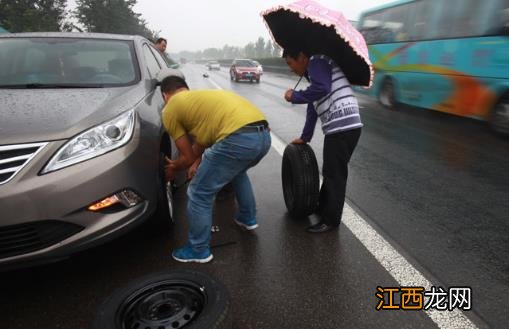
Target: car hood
{"type": "Point", "coordinates": [41, 115]}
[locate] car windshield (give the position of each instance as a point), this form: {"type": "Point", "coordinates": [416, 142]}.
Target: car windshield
{"type": "Point", "coordinates": [244, 63]}
{"type": "Point", "coordinates": [66, 62]}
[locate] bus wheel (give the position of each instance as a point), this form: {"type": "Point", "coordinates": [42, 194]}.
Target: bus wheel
{"type": "Point", "coordinates": [500, 116]}
{"type": "Point", "coordinates": [387, 96]}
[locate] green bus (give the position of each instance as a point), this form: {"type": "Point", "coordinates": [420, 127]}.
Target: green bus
{"type": "Point", "coordinates": [447, 55]}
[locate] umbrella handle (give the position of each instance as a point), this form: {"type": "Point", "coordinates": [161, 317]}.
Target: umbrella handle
{"type": "Point", "coordinates": [298, 82]}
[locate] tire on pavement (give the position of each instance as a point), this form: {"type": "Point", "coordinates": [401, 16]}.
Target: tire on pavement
{"type": "Point", "coordinates": [387, 94]}
{"type": "Point", "coordinates": [499, 120]}
{"type": "Point", "coordinates": [301, 181]}
{"type": "Point", "coordinates": [171, 299]}
{"type": "Point", "coordinates": [166, 191]}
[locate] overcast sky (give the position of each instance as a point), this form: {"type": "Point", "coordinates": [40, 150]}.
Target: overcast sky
{"type": "Point", "coordinates": [199, 24]}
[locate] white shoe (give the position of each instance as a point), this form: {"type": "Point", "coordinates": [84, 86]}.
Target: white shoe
{"type": "Point", "coordinates": [249, 227]}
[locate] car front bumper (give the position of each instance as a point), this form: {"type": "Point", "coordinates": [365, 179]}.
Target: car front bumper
{"type": "Point", "coordinates": [247, 75]}
{"type": "Point", "coordinates": [45, 217]}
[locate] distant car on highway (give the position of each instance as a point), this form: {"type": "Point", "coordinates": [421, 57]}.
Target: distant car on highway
{"type": "Point", "coordinates": [82, 145]}
{"type": "Point", "coordinates": [244, 69]}
{"type": "Point", "coordinates": [213, 65]}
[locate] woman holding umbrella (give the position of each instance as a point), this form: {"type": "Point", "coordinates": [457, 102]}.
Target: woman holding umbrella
{"type": "Point", "coordinates": [322, 46]}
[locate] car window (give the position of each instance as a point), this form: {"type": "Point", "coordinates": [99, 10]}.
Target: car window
{"type": "Point", "coordinates": [67, 61]}
{"type": "Point", "coordinates": [152, 64]}
{"type": "Point", "coordinates": [244, 63]}
{"type": "Point", "coordinates": [160, 58]}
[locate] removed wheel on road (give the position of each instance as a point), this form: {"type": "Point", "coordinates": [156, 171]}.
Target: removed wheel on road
{"type": "Point", "coordinates": [171, 299]}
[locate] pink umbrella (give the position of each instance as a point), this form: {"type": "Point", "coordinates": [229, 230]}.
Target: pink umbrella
{"type": "Point", "coordinates": [307, 24]}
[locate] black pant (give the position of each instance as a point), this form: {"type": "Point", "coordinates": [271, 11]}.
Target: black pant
{"type": "Point", "coordinates": [337, 150]}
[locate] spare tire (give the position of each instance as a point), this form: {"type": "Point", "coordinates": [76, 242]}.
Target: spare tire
{"type": "Point", "coordinates": [301, 181]}
{"type": "Point", "coordinates": [172, 299]}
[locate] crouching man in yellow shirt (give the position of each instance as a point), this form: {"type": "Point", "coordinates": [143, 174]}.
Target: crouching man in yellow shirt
{"type": "Point", "coordinates": [232, 135]}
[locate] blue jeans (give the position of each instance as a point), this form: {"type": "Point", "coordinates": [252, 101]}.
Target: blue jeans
{"type": "Point", "coordinates": [224, 162]}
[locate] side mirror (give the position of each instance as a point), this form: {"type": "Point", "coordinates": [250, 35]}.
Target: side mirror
{"type": "Point", "coordinates": [150, 84]}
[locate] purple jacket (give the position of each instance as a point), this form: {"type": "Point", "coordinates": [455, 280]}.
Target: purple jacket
{"type": "Point", "coordinates": [330, 91]}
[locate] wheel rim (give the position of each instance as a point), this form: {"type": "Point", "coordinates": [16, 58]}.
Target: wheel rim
{"type": "Point", "coordinates": [167, 304]}
{"type": "Point", "coordinates": [169, 198]}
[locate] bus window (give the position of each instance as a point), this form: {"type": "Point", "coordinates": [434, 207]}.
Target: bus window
{"type": "Point", "coordinates": [499, 23]}
{"type": "Point", "coordinates": [372, 28]}
{"type": "Point", "coordinates": [470, 19]}
{"type": "Point", "coordinates": [420, 26]}
{"type": "Point", "coordinates": [460, 18]}
{"type": "Point", "coordinates": [386, 26]}
{"type": "Point", "coordinates": [397, 23]}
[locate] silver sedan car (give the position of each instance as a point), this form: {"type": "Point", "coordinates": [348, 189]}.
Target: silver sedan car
{"type": "Point", "coordinates": [82, 145]}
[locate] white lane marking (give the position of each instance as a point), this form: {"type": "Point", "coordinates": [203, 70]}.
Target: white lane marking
{"type": "Point", "coordinates": [394, 263]}
{"type": "Point", "coordinates": [277, 143]}
{"type": "Point", "coordinates": [399, 268]}
{"type": "Point", "coordinates": [214, 83]}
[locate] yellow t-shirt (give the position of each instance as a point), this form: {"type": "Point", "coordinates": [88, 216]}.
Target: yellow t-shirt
{"type": "Point", "coordinates": [208, 115]}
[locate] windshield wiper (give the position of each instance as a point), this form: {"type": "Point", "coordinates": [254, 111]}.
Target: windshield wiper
{"type": "Point", "coordinates": [51, 86]}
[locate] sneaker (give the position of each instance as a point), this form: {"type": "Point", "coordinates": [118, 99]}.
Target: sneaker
{"type": "Point", "coordinates": [187, 254]}
{"type": "Point", "coordinates": [249, 225]}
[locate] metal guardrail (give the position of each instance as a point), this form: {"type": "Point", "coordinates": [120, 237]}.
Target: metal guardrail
{"type": "Point", "coordinates": [277, 69]}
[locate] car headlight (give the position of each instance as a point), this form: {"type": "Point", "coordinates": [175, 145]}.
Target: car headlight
{"type": "Point", "coordinates": [94, 142]}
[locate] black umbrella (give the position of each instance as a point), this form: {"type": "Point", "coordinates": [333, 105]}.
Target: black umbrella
{"type": "Point", "coordinates": [307, 25]}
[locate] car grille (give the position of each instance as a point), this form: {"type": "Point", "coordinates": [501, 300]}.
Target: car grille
{"type": "Point", "coordinates": [24, 238]}
{"type": "Point", "coordinates": [14, 157]}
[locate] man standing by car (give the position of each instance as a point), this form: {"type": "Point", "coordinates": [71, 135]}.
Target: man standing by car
{"type": "Point", "coordinates": [161, 45]}
{"type": "Point", "coordinates": [232, 135]}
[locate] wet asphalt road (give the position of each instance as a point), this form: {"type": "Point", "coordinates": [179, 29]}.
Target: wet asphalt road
{"type": "Point", "coordinates": [435, 186]}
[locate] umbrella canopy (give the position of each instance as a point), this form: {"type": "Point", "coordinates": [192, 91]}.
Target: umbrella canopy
{"type": "Point", "coordinates": [308, 25]}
